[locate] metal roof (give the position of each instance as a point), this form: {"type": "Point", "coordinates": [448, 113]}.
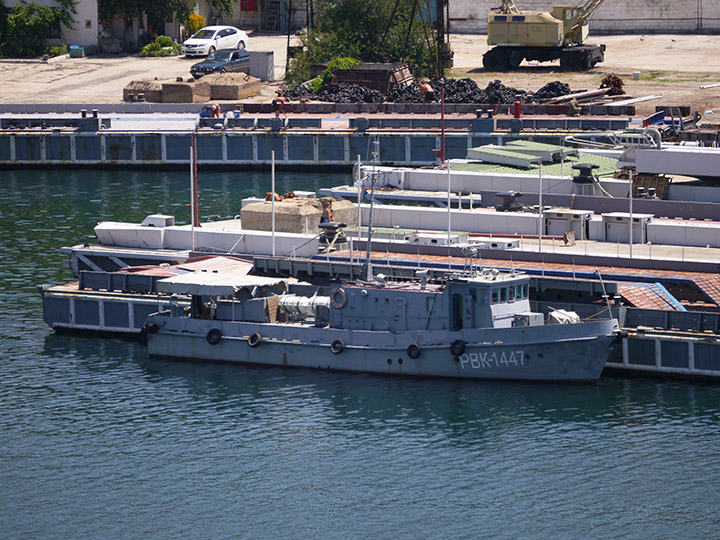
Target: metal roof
{"type": "Point", "coordinates": [607, 167]}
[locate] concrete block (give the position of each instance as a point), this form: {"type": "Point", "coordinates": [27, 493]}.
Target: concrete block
{"type": "Point", "coordinates": [299, 215]}
{"type": "Point", "coordinates": [232, 86]}
{"type": "Point", "coordinates": [185, 92]}
{"type": "Point", "coordinates": [151, 90]}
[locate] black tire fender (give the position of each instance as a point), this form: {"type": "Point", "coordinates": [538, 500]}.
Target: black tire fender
{"type": "Point", "coordinates": [255, 339]}
{"type": "Point", "coordinates": [337, 346]}
{"type": "Point", "coordinates": [214, 336]}
{"type": "Point", "coordinates": [151, 328]}
{"type": "Point", "coordinates": [457, 347]}
{"type": "Point", "coordinates": [414, 351]}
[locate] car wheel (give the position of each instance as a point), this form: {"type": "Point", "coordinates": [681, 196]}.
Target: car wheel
{"type": "Point", "coordinates": [223, 70]}
{"type": "Point", "coordinates": [211, 50]}
{"type": "Point", "coordinates": [240, 45]}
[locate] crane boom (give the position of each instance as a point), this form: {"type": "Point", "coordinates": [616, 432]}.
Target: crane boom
{"type": "Point", "coordinates": [508, 6]}
{"type": "Point", "coordinates": [578, 18]}
{"type": "Point", "coordinates": [588, 9]}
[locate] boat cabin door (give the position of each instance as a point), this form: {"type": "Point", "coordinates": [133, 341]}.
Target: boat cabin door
{"type": "Point", "coordinates": [399, 315]}
{"type": "Point", "coordinates": [461, 312]}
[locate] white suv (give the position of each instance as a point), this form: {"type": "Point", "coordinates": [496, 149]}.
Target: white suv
{"type": "Point", "coordinates": [209, 39]}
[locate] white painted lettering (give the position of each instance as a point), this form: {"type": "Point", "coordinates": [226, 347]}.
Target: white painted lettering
{"type": "Point", "coordinates": [490, 359]}
{"type": "Point", "coordinates": [484, 360]}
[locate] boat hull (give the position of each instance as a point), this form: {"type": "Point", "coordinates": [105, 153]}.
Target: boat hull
{"type": "Point", "coordinates": [576, 352]}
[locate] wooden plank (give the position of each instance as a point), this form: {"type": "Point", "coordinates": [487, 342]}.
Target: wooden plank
{"type": "Point", "coordinates": [633, 101]}
{"type": "Point", "coordinates": [579, 95]}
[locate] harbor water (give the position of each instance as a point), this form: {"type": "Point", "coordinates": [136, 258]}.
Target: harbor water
{"type": "Point", "coordinates": [99, 441]}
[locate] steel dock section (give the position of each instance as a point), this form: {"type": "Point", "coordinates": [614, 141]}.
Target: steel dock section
{"type": "Point", "coordinates": [155, 139]}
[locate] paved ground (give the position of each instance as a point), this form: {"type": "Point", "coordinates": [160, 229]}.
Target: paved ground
{"type": "Point", "coordinates": [672, 65]}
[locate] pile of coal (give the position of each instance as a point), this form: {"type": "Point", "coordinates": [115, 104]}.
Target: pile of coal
{"type": "Point", "coordinates": [550, 90]}
{"type": "Point", "coordinates": [460, 91]}
{"type": "Point", "coordinates": [406, 94]}
{"type": "Point", "coordinates": [299, 92]}
{"type": "Point", "coordinates": [456, 91]}
{"type": "Point", "coordinates": [497, 92]}
{"type": "Point", "coordinates": [349, 93]}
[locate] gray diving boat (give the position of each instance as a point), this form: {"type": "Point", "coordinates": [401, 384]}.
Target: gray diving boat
{"type": "Point", "coordinates": [475, 325]}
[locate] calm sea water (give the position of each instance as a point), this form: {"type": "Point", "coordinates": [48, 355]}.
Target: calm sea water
{"type": "Point", "coordinates": [99, 441]}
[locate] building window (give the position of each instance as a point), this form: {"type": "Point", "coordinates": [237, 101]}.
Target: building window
{"type": "Point", "coordinates": [248, 5]}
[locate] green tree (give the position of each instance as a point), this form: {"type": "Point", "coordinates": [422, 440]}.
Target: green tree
{"type": "Point", "coordinates": [29, 24]}
{"type": "Point", "coordinates": [3, 25]}
{"type": "Point", "coordinates": [159, 9]}
{"type": "Point", "coordinates": [369, 30]}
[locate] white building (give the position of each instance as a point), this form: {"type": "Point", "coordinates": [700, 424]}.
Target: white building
{"type": "Point", "coordinates": [85, 30]}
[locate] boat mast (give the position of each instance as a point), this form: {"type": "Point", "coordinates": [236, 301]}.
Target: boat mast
{"type": "Point", "coordinates": [367, 267]}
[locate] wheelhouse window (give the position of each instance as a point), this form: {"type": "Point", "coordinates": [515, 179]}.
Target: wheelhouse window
{"type": "Point", "coordinates": [503, 294]}
{"type": "Point", "coordinates": [495, 296]}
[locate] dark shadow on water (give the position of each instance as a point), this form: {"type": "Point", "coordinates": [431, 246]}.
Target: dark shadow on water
{"type": "Point", "coordinates": [461, 410]}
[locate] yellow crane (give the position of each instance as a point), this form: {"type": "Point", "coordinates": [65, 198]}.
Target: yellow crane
{"type": "Point", "coordinates": [542, 36]}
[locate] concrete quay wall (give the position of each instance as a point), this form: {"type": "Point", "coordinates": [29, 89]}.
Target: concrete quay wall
{"type": "Point", "coordinates": [239, 147]}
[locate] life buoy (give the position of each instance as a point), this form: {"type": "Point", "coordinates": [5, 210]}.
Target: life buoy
{"type": "Point", "coordinates": [214, 336]}
{"type": "Point", "coordinates": [414, 351]}
{"type": "Point", "coordinates": [337, 346]}
{"type": "Point", "coordinates": [457, 347]}
{"type": "Point", "coordinates": [254, 340]}
{"type": "Point", "coordinates": [338, 298]}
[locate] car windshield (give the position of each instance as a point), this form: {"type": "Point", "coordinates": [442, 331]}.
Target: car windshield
{"type": "Point", "coordinates": [204, 34]}
{"type": "Point", "coordinates": [220, 55]}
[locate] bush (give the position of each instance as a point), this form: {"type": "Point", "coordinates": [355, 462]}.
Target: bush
{"type": "Point", "coordinates": [338, 63]}
{"type": "Point", "coordinates": [57, 50]}
{"type": "Point", "coordinates": [27, 26]}
{"type": "Point", "coordinates": [162, 46]}
{"type": "Point", "coordinates": [164, 41]}
{"type": "Point", "coordinates": [194, 23]}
